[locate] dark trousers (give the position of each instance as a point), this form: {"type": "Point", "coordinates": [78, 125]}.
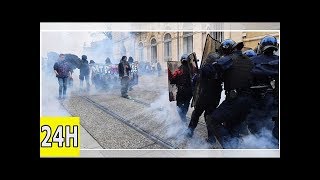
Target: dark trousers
{"type": "Point", "coordinates": [198, 110]}
{"type": "Point", "coordinates": [86, 78]}
{"type": "Point", "coordinates": [261, 114]}
{"type": "Point", "coordinates": [183, 106]}
{"type": "Point", "coordinates": [227, 117]}
{"type": "Point", "coordinates": [275, 130]}
{"type": "Point", "coordinates": [63, 82]}
{"type": "Point", "coordinates": [124, 86]}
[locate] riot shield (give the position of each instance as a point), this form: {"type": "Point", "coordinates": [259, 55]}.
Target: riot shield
{"type": "Point", "coordinates": [172, 67]}
{"type": "Point", "coordinates": [211, 45]}
{"type": "Point", "coordinates": [193, 65]}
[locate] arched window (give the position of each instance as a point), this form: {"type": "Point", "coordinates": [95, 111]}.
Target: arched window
{"type": "Point", "coordinates": [153, 50]}
{"type": "Point", "coordinates": [187, 42]}
{"type": "Point", "coordinates": [167, 47]}
{"type": "Point", "coordinates": [140, 49]}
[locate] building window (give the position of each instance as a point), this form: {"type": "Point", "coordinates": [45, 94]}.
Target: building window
{"type": "Point", "coordinates": [153, 50]}
{"type": "Point", "coordinates": [140, 47]}
{"type": "Point", "coordinates": [187, 42]}
{"type": "Point", "coordinates": [167, 47]}
{"type": "Point", "coordinates": [218, 36]}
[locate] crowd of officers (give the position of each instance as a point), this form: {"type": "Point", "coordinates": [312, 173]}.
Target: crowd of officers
{"type": "Point", "coordinates": [251, 83]}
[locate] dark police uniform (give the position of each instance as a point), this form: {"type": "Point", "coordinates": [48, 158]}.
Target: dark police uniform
{"type": "Point", "coordinates": [263, 94]}
{"type": "Point", "coordinates": [266, 100]}
{"type": "Point", "coordinates": [209, 98]}
{"type": "Point", "coordinates": [265, 97]}
{"type": "Point", "coordinates": [235, 70]}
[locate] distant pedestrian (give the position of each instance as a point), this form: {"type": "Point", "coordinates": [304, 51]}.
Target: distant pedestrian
{"type": "Point", "coordinates": [124, 72]}
{"type": "Point", "coordinates": [84, 72]}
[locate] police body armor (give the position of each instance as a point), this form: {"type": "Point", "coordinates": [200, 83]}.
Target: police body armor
{"type": "Point", "coordinates": [238, 76]}
{"type": "Point", "coordinates": [264, 71]}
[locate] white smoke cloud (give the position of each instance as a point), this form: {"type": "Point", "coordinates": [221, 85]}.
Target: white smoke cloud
{"type": "Point", "coordinates": [64, 42]}
{"type": "Point", "coordinates": [49, 94]}
{"type": "Point", "coordinates": [67, 43]}
{"type": "Point", "coordinates": [175, 128]}
{"type": "Point", "coordinates": [264, 140]}
{"type": "Point", "coordinates": [167, 112]}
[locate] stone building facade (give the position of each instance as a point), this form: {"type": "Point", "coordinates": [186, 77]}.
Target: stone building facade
{"type": "Point", "coordinates": [147, 43]}
{"type": "Point", "coordinates": [169, 46]}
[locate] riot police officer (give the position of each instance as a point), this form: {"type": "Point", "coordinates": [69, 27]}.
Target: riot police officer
{"type": "Point", "coordinates": [208, 100]}
{"type": "Point", "coordinates": [265, 96]}
{"type": "Point", "coordinates": [267, 46]}
{"type": "Point", "coordinates": [182, 78]}
{"type": "Point", "coordinates": [235, 70]}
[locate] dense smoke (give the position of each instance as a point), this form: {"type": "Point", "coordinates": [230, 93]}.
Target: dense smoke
{"type": "Point", "coordinates": [98, 46]}
{"type": "Point", "coordinates": [53, 44]}
{"type": "Point", "coordinates": [176, 129]}
{"type": "Point", "coordinates": [49, 89]}
{"type": "Point", "coordinates": [264, 140]}
{"type": "Point", "coordinates": [100, 50]}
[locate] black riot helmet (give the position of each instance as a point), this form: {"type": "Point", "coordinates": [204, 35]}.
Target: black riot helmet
{"type": "Point", "coordinates": [227, 46]}
{"type": "Point", "coordinates": [84, 57]}
{"type": "Point", "coordinates": [250, 53]}
{"type": "Point", "coordinates": [268, 43]}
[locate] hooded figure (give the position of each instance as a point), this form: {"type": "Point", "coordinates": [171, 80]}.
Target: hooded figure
{"type": "Point", "coordinates": [84, 72]}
